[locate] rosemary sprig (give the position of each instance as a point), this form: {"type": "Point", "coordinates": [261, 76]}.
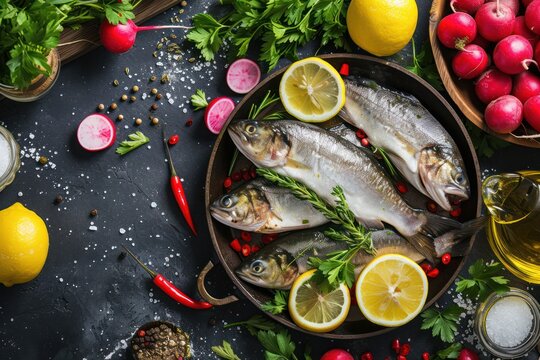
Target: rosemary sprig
{"type": "Point", "coordinates": [337, 267]}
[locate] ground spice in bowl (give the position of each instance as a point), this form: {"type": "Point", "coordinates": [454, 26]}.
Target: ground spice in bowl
{"type": "Point", "coordinates": [160, 340]}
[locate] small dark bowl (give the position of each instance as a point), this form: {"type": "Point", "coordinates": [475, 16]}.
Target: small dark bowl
{"type": "Point", "coordinates": [153, 324]}
{"type": "Point", "coordinates": [388, 74]}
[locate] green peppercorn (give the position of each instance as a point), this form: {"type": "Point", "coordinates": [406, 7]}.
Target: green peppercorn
{"type": "Point", "coordinates": [101, 107]}
{"type": "Point", "coordinates": [138, 121]}
{"type": "Point", "coordinates": [155, 121]}
{"type": "Point", "coordinates": [116, 82]}
{"type": "Point", "coordinates": [113, 106]}
{"type": "Point", "coordinates": [135, 88]}
{"type": "Point", "coordinates": [43, 160]}
{"type": "Point", "coordinates": [120, 117]}
{"type": "Point", "coordinates": [153, 91]}
{"type": "Point", "coordinates": [124, 97]}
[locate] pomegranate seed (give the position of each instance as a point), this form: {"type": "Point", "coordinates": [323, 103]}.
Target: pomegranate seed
{"type": "Point", "coordinates": [361, 134]}
{"type": "Point", "coordinates": [396, 346]}
{"type": "Point", "coordinates": [246, 250]}
{"type": "Point", "coordinates": [446, 258]}
{"type": "Point", "coordinates": [266, 239]}
{"type": "Point", "coordinates": [366, 356]}
{"type": "Point", "coordinates": [245, 236]}
{"type": "Point", "coordinates": [405, 349]}
{"type": "Point", "coordinates": [236, 176]}
{"type": "Point", "coordinates": [433, 273]}
{"type": "Point", "coordinates": [426, 267]}
{"type": "Point", "coordinates": [227, 183]}
{"type": "Point", "coordinates": [173, 140]}
{"type": "Point", "coordinates": [364, 142]}
{"type": "Point", "coordinates": [431, 207]}
{"type": "Point", "coordinates": [455, 212]}
{"type": "Point", "coordinates": [189, 122]}
{"type": "Point", "coordinates": [401, 357]}
{"type": "Point", "coordinates": [402, 187]}
{"type": "Point", "coordinates": [235, 245]}
{"type": "Point", "coordinates": [255, 248]}
{"type": "Point", "coordinates": [425, 356]}
{"type": "Point", "coordinates": [253, 172]}
{"type": "Point", "coordinates": [245, 175]}
{"type": "Point", "coordinates": [344, 70]}
{"type": "Point", "coordinates": [141, 333]}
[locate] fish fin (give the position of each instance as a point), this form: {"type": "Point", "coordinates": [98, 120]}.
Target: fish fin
{"type": "Point", "coordinates": [453, 241]}
{"type": "Point", "coordinates": [295, 164]}
{"type": "Point", "coordinates": [424, 245]}
{"type": "Point", "coordinates": [436, 225]}
{"type": "Point", "coordinates": [372, 223]}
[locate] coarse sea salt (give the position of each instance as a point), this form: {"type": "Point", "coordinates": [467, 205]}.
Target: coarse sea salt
{"type": "Point", "coordinates": [509, 322]}
{"type": "Point", "coordinates": [4, 155]}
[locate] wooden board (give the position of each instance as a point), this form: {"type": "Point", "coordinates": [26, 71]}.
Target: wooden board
{"type": "Point", "coordinates": [89, 31]}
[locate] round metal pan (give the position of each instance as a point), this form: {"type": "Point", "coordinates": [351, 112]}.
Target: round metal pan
{"type": "Point", "coordinates": [385, 73]}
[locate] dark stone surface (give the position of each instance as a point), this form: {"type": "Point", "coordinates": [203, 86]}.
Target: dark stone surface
{"type": "Point", "coordinates": [86, 303]}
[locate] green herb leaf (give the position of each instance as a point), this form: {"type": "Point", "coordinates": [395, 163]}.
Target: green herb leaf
{"type": "Point", "coordinates": [198, 100]}
{"type": "Point", "coordinates": [443, 323]}
{"type": "Point", "coordinates": [225, 351]}
{"type": "Point", "coordinates": [485, 144]}
{"type": "Point", "coordinates": [255, 324]}
{"type": "Point", "coordinates": [207, 35]}
{"type": "Point", "coordinates": [278, 304]}
{"type": "Point", "coordinates": [135, 140]}
{"type": "Point", "coordinates": [424, 65]}
{"type": "Point", "coordinates": [484, 280]}
{"type": "Point", "coordinates": [451, 352]}
{"type": "Point", "coordinates": [118, 12]}
{"type": "Point", "coordinates": [277, 345]}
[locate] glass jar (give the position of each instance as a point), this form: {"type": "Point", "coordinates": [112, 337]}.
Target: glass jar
{"type": "Point", "coordinates": [10, 161]}
{"type": "Point", "coordinates": [511, 352]}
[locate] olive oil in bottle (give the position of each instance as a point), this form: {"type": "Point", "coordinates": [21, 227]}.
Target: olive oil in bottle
{"type": "Point", "coordinates": [513, 201]}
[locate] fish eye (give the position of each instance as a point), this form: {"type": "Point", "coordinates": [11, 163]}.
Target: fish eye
{"type": "Point", "coordinates": [460, 179]}
{"type": "Point", "coordinates": [226, 201]}
{"type": "Point", "coordinates": [257, 267]}
{"type": "Point", "coordinates": [250, 129]}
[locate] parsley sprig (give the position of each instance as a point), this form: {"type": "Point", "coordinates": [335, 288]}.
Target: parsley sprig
{"type": "Point", "coordinates": [485, 279]}
{"type": "Point", "coordinates": [198, 100]}
{"type": "Point", "coordinates": [277, 27]}
{"type": "Point", "coordinates": [337, 267]}
{"type": "Point", "coordinates": [442, 323]}
{"type": "Point", "coordinates": [424, 66]}
{"type": "Point", "coordinates": [135, 140]}
{"type": "Point", "coordinates": [485, 144]}
{"type": "Point", "coordinates": [451, 352]}
{"type": "Point", "coordinates": [278, 304]}
{"type": "Point", "coordinates": [225, 351]}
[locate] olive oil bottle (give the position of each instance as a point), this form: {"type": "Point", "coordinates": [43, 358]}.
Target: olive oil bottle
{"type": "Point", "coordinates": [513, 201]}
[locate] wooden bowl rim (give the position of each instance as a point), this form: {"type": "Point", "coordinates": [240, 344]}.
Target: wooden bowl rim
{"type": "Point", "coordinates": [240, 285]}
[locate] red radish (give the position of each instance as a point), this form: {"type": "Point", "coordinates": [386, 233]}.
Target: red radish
{"type": "Point", "coordinates": [467, 354]}
{"type": "Point", "coordinates": [504, 115]}
{"type": "Point", "coordinates": [96, 132]}
{"type": "Point", "coordinates": [531, 112]}
{"type": "Point", "coordinates": [480, 41]}
{"type": "Point", "coordinates": [513, 54]}
{"type": "Point", "coordinates": [337, 354]}
{"type": "Point", "coordinates": [532, 16]}
{"type": "Point", "coordinates": [456, 30]}
{"type": "Point", "coordinates": [492, 84]}
{"type": "Point", "coordinates": [520, 28]}
{"type": "Point", "coordinates": [537, 51]}
{"type": "Point", "coordinates": [217, 113]}
{"type": "Point", "coordinates": [470, 62]}
{"type": "Point", "coordinates": [526, 3]}
{"type": "Point", "coordinates": [495, 21]}
{"type": "Point", "coordinates": [120, 38]}
{"type": "Point", "coordinates": [512, 4]}
{"type": "Point", "coordinates": [526, 85]}
{"type": "Point", "coordinates": [243, 75]}
{"type": "Point", "coordinates": [468, 6]}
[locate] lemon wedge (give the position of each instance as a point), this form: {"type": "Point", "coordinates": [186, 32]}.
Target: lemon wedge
{"type": "Point", "coordinates": [312, 90]}
{"type": "Point", "coordinates": [391, 290]}
{"type": "Point", "coordinates": [313, 310]}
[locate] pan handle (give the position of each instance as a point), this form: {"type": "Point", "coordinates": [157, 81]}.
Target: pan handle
{"type": "Point", "coordinates": [204, 293]}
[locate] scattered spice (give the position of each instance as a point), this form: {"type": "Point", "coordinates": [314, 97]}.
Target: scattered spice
{"type": "Point", "coordinates": [101, 107]}
{"type": "Point", "coordinates": [58, 199]}
{"type": "Point", "coordinates": [126, 71]}
{"type": "Point", "coordinates": [115, 82]}
{"type": "Point", "coordinates": [135, 88]}
{"type": "Point", "coordinates": [189, 122]}
{"type": "Point", "coordinates": [153, 91]}
{"type": "Point", "coordinates": [120, 117]}
{"type": "Point", "coordinates": [124, 97]}
{"type": "Point", "coordinates": [43, 160]}
{"type": "Point", "coordinates": [138, 121]}
{"type": "Point", "coordinates": [93, 212]}
{"type": "Point", "coordinates": [158, 96]}
{"type": "Point", "coordinates": [161, 341]}
{"type": "Point", "coordinates": [191, 60]}
{"type": "Point", "coordinates": [165, 78]}
{"type": "Point", "coordinates": [153, 78]}
{"type": "Point", "coordinates": [154, 106]}
{"type": "Point", "coordinates": [183, 3]}
{"type": "Point", "coordinates": [113, 106]}
{"type": "Point", "coordinates": [132, 98]}
{"type": "Point", "coordinates": [155, 121]}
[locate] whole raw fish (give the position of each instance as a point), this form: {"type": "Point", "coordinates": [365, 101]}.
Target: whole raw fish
{"type": "Point", "coordinates": [416, 142]}
{"type": "Point", "coordinates": [260, 206]}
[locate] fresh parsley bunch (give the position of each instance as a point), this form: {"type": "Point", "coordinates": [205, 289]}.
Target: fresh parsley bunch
{"type": "Point", "coordinates": [279, 27]}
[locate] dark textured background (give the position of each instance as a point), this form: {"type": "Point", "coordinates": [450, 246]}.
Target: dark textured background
{"type": "Point", "coordinates": [86, 303]}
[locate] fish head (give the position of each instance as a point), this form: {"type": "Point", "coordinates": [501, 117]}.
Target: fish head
{"type": "Point", "coordinates": [276, 269]}
{"type": "Point", "coordinates": [263, 142]}
{"type": "Point", "coordinates": [443, 175]}
{"type": "Point", "coordinates": [246, 208]}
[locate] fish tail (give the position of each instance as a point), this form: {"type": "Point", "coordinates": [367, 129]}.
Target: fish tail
{"type": "Point", "coordinates": [435, 225]}
{"type": "Point", "coordinates": [452, 241]}
{"type": "Point", "coordinates": [424, 245]}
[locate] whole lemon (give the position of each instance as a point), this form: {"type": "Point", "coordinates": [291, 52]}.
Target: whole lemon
{"type": "Point", "coordinates": [382, 27]}
{"type": "Point", "coordinates": [24, 244]}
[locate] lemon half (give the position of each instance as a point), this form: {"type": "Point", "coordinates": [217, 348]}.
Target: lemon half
{"type": "Point", "coordinates": [314, 310]}
{"type": "Point", "coordinates": [391, 290]}
{"type": "Point", "coordinates": [312, 90]}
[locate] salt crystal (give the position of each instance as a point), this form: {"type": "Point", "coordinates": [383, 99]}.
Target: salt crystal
{"type": "Point", "coordinates": [92, 228]}
{"type": "Point", "coordinates": [153, 205]}
{"type": "Point", "coordinates": [122, 231]}
{"type": "Point", "coordinates": [20, 194]}
{"type": "Point", "coordinates": [509, 322]}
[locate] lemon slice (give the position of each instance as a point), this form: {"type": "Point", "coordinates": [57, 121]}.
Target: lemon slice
{"type": "Point", "coordinates": [313, 310]}
{"type": "Point", "coordinates": [391, 290]}
{"type": "Point", "coordinates": [312, 90]}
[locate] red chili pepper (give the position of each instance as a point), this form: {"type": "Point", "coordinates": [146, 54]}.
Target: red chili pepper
{"type": "Point", "coordinates": [168, 287]}
{"type": "Point", "coordinates": [344, 70]}
{"type": "Point", "coordinates": [431, 207]}
{"type": "Point", "coordinates": [245, 236]}
{"type": "Point", "coordinates": [235, 245]}
{"type": "Point", "coordinates": [433, 273]}
{"type": "Point", "coordinates": [396, 346]}
{"type": "Point", "coordinates": [173, 140]}
{"type": "Point", "coordinates": [178, 190]}
{"type": "Point", "coordinates": [425, 356]}
{"type": "Point", "coordinates": [361, 134]}
{"type": "Point", "coordinates": [455, 212]}
{"type": "Point", "coordinates": [236, 176]}
{"type": "Point", "coordinates": [364, 142]}
{"type": "Point", "coordinates": [366, 356]}
{"type": "Point", "coordinates": [405, 349]}
{"type": "Point", "coordinates": [402, 187]}
{"type": "Point", "coordinates": [426, 267]}
{"type": "Point", "coordinates": [246, 250]}
{"type": "Point", "coordinates": [446, 258]}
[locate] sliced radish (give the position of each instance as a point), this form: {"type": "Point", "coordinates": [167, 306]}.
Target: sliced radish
{"type": "Point", "coordinates": [217, 113]}
{"type": "Point", "coordinates": [243, 75]}
{"type": "Point", "coordinates": [96, 132]}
